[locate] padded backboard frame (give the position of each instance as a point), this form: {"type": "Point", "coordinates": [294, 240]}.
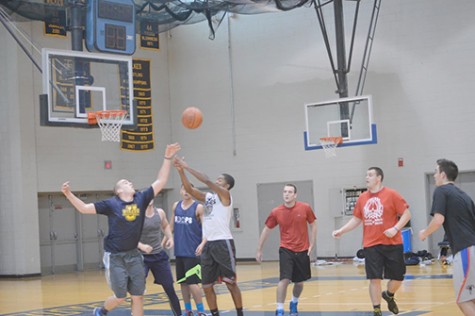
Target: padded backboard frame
{"type": "Point", "coordinates": [349, 118]}
{"type": "Point", "coordinates": [75, 83]}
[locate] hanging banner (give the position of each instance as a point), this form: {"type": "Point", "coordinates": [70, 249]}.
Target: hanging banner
{"type": "Point", "coordinates": [149, 35]}
{"type": "Point", "coordinates": [55, 24]}
{"type": "Point", "coordinates": [141, 138]}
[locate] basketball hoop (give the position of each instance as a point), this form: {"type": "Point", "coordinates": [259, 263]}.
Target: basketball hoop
{"type": "Point", "coordinates": [110, 123]}
{"type": "Point", "coordinates": [329, 145]}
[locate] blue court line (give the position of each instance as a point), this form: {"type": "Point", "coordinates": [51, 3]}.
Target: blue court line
{"type": "Point", "coordinates": [161, 298]}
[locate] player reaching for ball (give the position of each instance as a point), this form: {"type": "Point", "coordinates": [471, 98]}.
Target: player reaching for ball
{"type": "Point", "coordinates": [218, 254]}
{"type": "Point", "coordinates": [383, 212]}
{"type": "Point", "coordinates": [125, 270]}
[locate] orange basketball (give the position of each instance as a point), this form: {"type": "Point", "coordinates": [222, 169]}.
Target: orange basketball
{"type": "Point", "coordinates": [192, 117]}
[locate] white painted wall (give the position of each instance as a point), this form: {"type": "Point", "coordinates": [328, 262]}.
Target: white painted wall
{"type": "Point", "coordinates": [251, 83]}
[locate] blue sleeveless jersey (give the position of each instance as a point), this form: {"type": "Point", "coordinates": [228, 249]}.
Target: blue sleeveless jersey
{"type": "Point", "coordinates": [187, 231]}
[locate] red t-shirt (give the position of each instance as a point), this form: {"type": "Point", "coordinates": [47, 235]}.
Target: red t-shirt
{"type": "Point", "coordinates": [293, 225]}
{"type": "Point", "coordinates": [380, 211]}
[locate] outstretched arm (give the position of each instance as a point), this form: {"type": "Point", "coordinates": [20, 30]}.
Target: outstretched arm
{"type": "Point", "coordinates": [223, 193]}
{"type": "Point", "coordinates": [164, 172]}
{"type": "Point", "coordinates": [352, 224]}
{"type": "Point", "coordinates": [82, 207]}
{"type": "Point", "coordinates": [194, 192]}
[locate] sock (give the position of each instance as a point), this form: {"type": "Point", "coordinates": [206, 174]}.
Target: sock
{"type": "Point", "coordinates": [104, 310]}
{"type": "Point", "coordinates": [214, 312]}
{"type": "Point", "coordinates": [280, 306]}
{"type": "Point", "coordinates": [295, 299]}
{"type": "Point", "coordinates": [377, 306]}
{"type": "Point", "coordinates": [390, 294]}
{"type": "Point", "coordinates": [188, 306]}
{"type": "Point", "coordinates": [200, 307]}
{"type": "Point", "coordinates": [239, 311]}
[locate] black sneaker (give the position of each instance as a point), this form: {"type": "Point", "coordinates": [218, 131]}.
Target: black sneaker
{"type": "Point", "coordinates": [377, 312]}
{"type": "Point", "coordinates": [392, 306]}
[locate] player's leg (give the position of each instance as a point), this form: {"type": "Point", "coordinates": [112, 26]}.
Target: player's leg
{"type": "Point", "coordinates": [286, 268]}
{"type": "Point", "coordinates": [180, 270]}
{"type": "Point", "coordinates": [301, 272]}
{"type": "Point", "coordinates": [210, 274]}
{"type": "Point", "coordinates": [224, 253]}
{"type": "Point", "coordinates": [374, 265]}
{"type": "Point", "coordinates": [160, 267]}
{"type": "Point", "coordinates": [116, 276]}
{"type": "Point", "coordinates": [136, 280]}
{"type": "Point", "coordinates": [137, 305]}
{"type": "Point", "coordinates": [394, 270]}
{"type": "Point", "coordinates": [463, 274]}
{"type": "Point", "coordinates": [193, 279]}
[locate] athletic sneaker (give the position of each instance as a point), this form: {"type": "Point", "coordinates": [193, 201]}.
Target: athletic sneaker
{"type": "Point", "coordinates": [392, 306]}
{"type": "Point", "coordinates": [188, 313]}
{"type": "Point", "coordinates": [279, 312]}
{"type": "Point", "coordinates": [377, 312]}
{"type": "Point", "coordinates": [98, 312]}
{"type": "Point", "coordinates": [202, 314]}
{"type": "Point", "coordinates": [293, 309]}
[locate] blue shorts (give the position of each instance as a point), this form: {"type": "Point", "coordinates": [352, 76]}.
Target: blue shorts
{"type": "Point", "coordinates": [159, 264]}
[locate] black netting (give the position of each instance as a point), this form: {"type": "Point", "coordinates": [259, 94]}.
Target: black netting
{"type": "Point", "coordinates": [168, 13]}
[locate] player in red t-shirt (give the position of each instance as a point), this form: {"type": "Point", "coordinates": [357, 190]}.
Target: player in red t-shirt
{"type": "Point", "coordinates": [383, 212]}
{"type": "Point", "coordinates": [293, 218]}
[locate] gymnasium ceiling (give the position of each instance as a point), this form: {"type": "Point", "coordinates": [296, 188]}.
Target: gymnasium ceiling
{"type": "Point", "coordinates": [167, 13]}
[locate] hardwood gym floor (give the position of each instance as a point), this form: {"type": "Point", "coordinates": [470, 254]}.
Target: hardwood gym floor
{"type": "Point", "coordinates": [334, 290]}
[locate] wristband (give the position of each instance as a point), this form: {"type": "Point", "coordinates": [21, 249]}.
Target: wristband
{"type": "Point", "coordinates": [396, 228]}
{"type": "Point", "coordinates": [167, 158]}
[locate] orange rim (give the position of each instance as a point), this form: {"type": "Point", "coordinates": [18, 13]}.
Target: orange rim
{"type": "Point", "coordinates": [335, 139]}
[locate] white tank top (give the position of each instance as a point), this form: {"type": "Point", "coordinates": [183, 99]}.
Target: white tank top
{"type": "Point", "coordinates": [216, 218]}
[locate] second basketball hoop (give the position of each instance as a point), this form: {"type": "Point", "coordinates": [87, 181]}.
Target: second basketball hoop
{"type": "Point", "coordinates": [329, 145]}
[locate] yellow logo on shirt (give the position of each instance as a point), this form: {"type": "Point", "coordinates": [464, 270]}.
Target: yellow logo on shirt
{"type": "Point", "coordinates": [130, 212]}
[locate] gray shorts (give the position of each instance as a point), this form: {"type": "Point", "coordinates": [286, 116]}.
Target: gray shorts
{"type": "Point", "coordinates": [464, 274]}
{"type": "Point", "coordinates": [125, 272]}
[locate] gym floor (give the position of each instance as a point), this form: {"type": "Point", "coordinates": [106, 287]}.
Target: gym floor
{"type": "Point", "coordinates": [335, 289]}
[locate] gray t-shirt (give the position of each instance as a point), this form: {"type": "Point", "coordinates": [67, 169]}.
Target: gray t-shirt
{"type": "Point", "coordinates": [152, 232]}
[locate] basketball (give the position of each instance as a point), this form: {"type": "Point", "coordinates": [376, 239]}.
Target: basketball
{"type": "Point", "coordinates": [192, 117]}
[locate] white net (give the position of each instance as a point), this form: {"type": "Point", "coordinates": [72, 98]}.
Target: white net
{"type": "Point", "coordinates": [110, 123]}
{"type": "Point", "coordinates": [329, 145]}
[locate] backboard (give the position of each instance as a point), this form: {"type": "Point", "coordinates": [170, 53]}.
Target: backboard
{"type": "Point", "coordinates": [75, 83]}
{"type": "Point", "coordinates": [349, 118]}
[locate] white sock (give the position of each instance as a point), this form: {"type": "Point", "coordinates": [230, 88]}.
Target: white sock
{"type": "Point", "coordinates": [295, 299]}
{"type": "Point", "coordinates": [280, 306]}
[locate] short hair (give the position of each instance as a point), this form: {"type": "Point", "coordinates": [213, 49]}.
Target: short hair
{"type": "Point", "coordinates": [379, 172]}
{"type": "Point", "coordinates": [229, 180]}
{"type": "Point", "coordinates": [291, 185]}
{"type": "Point", "coordinates": [449, 168]}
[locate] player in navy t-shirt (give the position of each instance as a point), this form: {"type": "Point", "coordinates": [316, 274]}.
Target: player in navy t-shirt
{"type": "Point", "coordinates": [126, 213]}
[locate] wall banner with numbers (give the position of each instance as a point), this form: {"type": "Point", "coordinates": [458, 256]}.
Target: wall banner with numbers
{"type": "Point", "coordinates": [55, 24]}
{"type": "Point", "coordinates": [149, 35]}
{"type": "Point", "coordinates": [140, 138]}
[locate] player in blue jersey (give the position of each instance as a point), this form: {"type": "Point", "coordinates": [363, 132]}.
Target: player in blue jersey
{"type": "Point", "coordinates": [125, 270]}
{"type": "Point", "coordinates": [187, 227]}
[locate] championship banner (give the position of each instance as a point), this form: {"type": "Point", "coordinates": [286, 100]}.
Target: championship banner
{"type": "Point", "coordinates": [149, 35]}
{"type": "Point", "coordinates": [140, 138]}
{"type": "Point", "coordinates": [55, 24]}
